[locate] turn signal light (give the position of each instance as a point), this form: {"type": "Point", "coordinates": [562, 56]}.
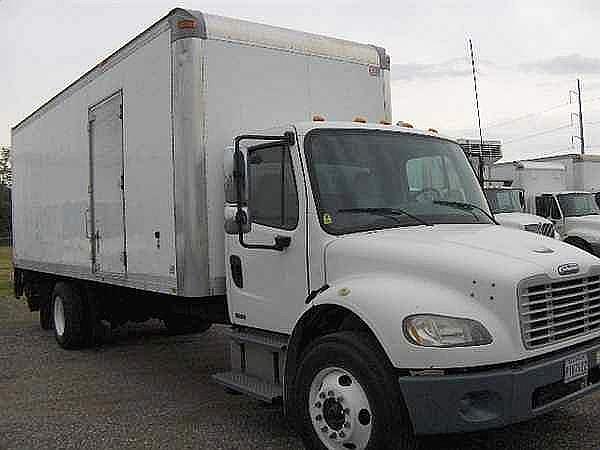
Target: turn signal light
{"type": "Point", "coordinates": [359, 119]}
{"type": "Point", "coordinates": [318, 118]}
{"type": "Point", "coordinates": [186, 24]}
{"type": "Point", "coordinates": [404, 124]}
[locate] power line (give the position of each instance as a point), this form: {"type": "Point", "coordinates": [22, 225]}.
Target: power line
{"type": "Point", "coordinates": [540, 133]}
{"type": "Point", "coordinates": [525, 116]}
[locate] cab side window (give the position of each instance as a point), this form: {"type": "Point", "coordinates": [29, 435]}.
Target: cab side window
{"type": "Point", "coordinates": [273, 196]}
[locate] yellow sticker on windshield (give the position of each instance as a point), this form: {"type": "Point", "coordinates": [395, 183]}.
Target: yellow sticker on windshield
{"type": "Point", "coordinates": [327, 219]}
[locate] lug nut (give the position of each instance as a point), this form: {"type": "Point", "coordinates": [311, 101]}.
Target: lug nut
{"type": "Point", "coordinates": [322, 395]}
{"type": "Point", "coordinates": [319, 418]}
{"type": "Point", "coordinates": [342, 434]}
{"type": "Point", "coordinates": [318, 405]}
{"type": "Point", "coordinates": [333, 436]}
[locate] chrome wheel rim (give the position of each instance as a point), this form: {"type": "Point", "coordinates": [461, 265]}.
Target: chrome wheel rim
{"type": "Point", "coordinates": [339, 410]}
{"type": "Point", "coordinates": [59, 316]}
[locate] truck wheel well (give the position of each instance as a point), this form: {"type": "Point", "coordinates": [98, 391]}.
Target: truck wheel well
{"type": "Point", "coordinates": [317, 322]}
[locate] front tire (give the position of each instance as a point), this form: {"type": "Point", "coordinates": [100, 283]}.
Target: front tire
{"type": "Point", "coordinates": [69, 313]}
{"type": "Point", "coordinates": [346, 396]}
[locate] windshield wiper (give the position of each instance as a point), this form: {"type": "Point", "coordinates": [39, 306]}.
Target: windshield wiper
{"type": "Point", "coordinates": [386, 212]}
{"type": "Point", "coordinates": [465, 205]}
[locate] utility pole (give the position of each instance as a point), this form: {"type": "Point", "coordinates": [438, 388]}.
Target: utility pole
{"type": "Point", "coordinates": [579, 116]}
{"type": "Point", "coordinates": [478, 116]}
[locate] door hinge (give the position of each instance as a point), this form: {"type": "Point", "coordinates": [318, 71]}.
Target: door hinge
{"type": "Point", "coordinates": [122, 183]}
{"type": "Point", "coordinates": [121, 111]}
{"type": "Point", "coordinates": [89, 126]}
{"type": "Point", "coordinates": [124, 258]}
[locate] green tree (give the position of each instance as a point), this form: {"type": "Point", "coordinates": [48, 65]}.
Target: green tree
{"type": "Point", "coordinates": [5, 195]}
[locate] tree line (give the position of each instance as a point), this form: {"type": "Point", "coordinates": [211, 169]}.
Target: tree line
{"type": "Point", "coordinates": [5, 197]}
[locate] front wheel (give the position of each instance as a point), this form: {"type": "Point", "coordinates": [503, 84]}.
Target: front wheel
{"type": "Point", "coordinates": [346, 397]}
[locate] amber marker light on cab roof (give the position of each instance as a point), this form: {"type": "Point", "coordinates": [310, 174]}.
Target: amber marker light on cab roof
{"type": "Point", "coordinates": [318, 118]}
{"type": "Point", "coordinates": [385, 122]}
{"type": "Point", "coordinates": [359, 120]}
{"type": "Point", "coordinates": [432, 130]}
{"type": "Point", "coordinates": [186, 24]}
{"type": "Point", "coordinates": [404, 124]}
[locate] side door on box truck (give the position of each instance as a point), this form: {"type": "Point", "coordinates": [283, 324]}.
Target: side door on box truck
{"type": "Point", "coordinates": [267, 288]}
{"type": "Point", "coordinates": [107, 195]}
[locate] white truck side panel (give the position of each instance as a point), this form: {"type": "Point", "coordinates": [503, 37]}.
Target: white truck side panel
{"type": "Point", "coordinates": [254, 88]}
{"type": "Point", "coordinates": [51, 173]}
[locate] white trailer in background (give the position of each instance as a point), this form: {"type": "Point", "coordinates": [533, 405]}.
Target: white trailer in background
{"type": "Point", "coordinates": [367, 285]}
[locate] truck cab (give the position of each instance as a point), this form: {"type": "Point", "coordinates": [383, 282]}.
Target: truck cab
{"type": "Point", "coordinates": [370, 288]}
{"type": "Point", "coordinates": [508, 206]}
{"type": "Point", "coordinates": [576, 216]}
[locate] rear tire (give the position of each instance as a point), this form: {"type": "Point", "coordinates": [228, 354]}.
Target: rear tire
{"type": "Point", "coordinates": [346, 396]}
{"type": "Point", "coordinates": [178, 324]}
{"type": "Point", "coordinates": [46, 319]}
{"type": "Point", "coordinates": [70, 317]}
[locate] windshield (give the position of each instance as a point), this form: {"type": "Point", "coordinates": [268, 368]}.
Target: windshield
{"type": "Point", "coordinates": [369, 179]}
{"type": "Point", "coordinates": [579, 204]}
{"type": "Point", "coordinates": [504, 200]}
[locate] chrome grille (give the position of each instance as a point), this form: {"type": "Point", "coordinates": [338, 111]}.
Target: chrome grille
{"type": "Point", "coordinates": [546, 229]}
{"type": "Point", "coordinates": [553, 311]}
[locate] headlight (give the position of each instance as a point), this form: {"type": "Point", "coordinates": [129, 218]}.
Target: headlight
{"type": "Point", "coordinates": [429, 330]}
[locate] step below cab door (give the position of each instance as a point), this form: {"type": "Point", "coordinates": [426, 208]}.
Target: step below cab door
{"type": "Point", "coordinates": [267, 288]}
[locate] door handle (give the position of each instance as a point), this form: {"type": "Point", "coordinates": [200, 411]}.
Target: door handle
{"type": "Point", "coordinates": [282, 242]}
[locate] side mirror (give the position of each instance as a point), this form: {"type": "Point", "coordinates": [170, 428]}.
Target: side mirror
{"type": "Point", "coordinates": [522, 199]}
{"type": "Point", "coordinates": [235, 165]}
{"type": "Point", "coordinates": [236, 192]}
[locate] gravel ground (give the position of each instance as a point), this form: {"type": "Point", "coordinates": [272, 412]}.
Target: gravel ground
{"type": "Point", "coordinates": [145, 389]}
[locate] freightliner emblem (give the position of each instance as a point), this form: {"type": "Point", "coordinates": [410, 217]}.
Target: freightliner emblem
{"type": "Point", "coordinates": [568, 269]}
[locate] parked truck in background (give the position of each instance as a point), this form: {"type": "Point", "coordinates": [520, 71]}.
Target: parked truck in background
{"type": "Point", "coordinates": [214, 171]}
{"type": "Point", "coordinates": [508, 206]}
{"type": "Point", "coordinates": [575, 214]}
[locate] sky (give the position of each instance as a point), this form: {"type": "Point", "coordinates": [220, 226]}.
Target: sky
{"type": "Point", "coordinates": [529, 55]}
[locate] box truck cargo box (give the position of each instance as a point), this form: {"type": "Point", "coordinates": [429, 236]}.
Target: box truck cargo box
{"type": "Point", "coordinates": [119, 177]}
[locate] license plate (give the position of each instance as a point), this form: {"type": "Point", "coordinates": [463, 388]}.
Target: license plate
{"type": "Point", "coordinates": [576, 367]}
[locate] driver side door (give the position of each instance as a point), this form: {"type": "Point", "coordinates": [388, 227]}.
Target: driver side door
{"type": "Point", "coordinates": [267, 288]}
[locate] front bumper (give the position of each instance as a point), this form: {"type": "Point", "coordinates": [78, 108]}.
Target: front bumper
{"type": "Point", "coordinates": [484, 399]}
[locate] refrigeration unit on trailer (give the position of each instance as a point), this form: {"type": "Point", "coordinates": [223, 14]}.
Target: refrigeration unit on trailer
{"type": "Point", "coordinates": [215, 170]}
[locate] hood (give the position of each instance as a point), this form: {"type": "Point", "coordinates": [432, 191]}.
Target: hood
{"type": "Point", "coordinates": [452, 252]}
{"type": "Point", "coordinates": [519, 220]}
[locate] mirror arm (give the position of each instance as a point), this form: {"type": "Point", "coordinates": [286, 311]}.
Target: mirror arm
{"type": "Point", "coordinates": [288, 139]}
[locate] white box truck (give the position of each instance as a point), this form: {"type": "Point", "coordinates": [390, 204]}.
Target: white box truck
{"type": "Point", "coordinates": [366, 284]}
{"type": "Point", "coordinates": [549, 193]}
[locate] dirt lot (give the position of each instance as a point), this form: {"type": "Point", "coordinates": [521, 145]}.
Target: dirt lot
{"type": "Point", "coordinates": [145, 389]}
